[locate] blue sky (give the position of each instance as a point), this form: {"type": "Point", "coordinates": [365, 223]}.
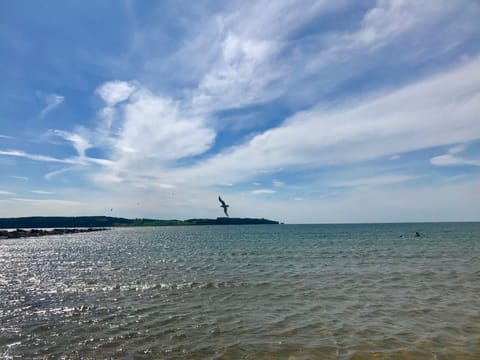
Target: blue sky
{"type": "Point", "coordinates": [311, 111]}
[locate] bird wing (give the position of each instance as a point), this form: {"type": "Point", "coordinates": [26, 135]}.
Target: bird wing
{"type": "Point", "coordinates": [225, 210]}
{"type": "Point", "coordinates": [220, 199]}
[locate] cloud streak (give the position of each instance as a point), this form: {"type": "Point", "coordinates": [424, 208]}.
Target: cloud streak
{"type": "Point", "coordinates": [263, 191]}
{"type": "Point", "coordinates": [453, 159]}
{"type": "Point", "coordinates": [36, 157]}
{"type": "Point", "coordinates": [52, 102]}
{"type": "Point", "coordinates": [42, 192]}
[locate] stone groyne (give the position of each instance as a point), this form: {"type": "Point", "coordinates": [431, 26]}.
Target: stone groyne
{"type": "Point", "coordinates": [21, 233]}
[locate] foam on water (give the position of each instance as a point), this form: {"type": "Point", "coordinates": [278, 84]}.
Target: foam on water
{"type": "Point", "coordinates": [262, 292]}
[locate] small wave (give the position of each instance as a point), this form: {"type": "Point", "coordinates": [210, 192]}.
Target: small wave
{"type": "Point", "coordinates": [135, 287]}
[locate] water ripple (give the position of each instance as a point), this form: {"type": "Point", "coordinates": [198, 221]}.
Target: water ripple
{"type": "Point", "coordinates": [260, 292]}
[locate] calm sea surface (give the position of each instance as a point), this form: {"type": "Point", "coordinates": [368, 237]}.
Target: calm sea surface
{"type": "Point", "coordinates": [253, 292]}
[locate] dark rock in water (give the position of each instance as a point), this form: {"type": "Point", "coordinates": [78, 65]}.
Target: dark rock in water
{"type": "Point", "coordinates": [21, 233]}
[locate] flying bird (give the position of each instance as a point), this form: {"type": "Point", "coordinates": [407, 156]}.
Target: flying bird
{"type": "Point", "coordinates": [224, 206]}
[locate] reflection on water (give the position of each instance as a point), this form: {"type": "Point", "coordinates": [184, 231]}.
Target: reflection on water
{"type": "Point", "coordinates": [256, 292]}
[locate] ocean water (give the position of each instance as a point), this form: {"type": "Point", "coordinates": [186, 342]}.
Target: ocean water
{"type": "Point", "coordinates": [244, 292]}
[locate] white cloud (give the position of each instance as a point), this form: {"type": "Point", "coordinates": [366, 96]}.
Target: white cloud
{"type": "Point", "coordinates": [154, 132]}
{"type": "Point", "coordinates": [452, 158]}
{"type": "Point", "coordinates": [41, 192]}
{"type": "Point", "coordinates": [278, 183]}
{"type": "Point", "coordinates": [79, 143]}
{"type": "Point", "coordinates": [375, 181]}
{"type": "Point", "coordinates": [114, 92]}
{"type": "Point", "coordinates": [245, 57]}
{"type": "Point", "coordinates": [249, 52]}
{"type": "Point", "coordinates": [79, 161]}
{"type": "Point", "coordinates": [22, 178]}
{"type": "Point", "coordinates": [108, 114]}
{"type": "Point", "coordinates": [391, 32]}
{"type": "Point", "coordinates": [3, 192]}
{"type": "Point", "coordinates": [263, 191]}
{"type": "Point", "coordinates": [46, 201]}
{"type": "Point", "coordinates": [52, 174]}
{"type": "Point", "coordinates": [19, 153]}
{"type": "Point", "coordinates": [457, 149]}
{"type": "Point", "coordinates": [239, 77]}
{"type": "Point", "coordinates": [391, 18]}
{"type": "Point", "coordinates": [52, 101]}
{"type": "Point", "coordinates": [436, 111]}
{"type": "Point", "coordinates": [155, 127]}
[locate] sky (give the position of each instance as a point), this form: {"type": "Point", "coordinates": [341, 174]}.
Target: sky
{"type": "Point", "coordinates": [309, 111]}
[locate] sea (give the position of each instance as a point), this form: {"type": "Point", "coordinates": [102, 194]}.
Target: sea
{"type": "Point", "coordinates": [361, 291]}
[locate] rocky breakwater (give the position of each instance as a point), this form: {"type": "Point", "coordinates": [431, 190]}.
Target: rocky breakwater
{"type": "Point", "coordinates": [21, 233]}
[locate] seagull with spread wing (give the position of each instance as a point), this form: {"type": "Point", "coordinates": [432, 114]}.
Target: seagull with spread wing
{"type": "Point", "coordinates": [224, 206]}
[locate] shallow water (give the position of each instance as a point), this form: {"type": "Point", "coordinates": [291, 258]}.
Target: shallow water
{"type": "Point", "coordinates": [253, 292]}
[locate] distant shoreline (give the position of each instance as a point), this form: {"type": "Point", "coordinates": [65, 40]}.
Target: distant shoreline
{"type": "Point", "coordinates": [39, 222]}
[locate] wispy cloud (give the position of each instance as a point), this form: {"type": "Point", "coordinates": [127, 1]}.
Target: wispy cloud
{"type": "Point", "coordinates": [6, 137]}
{"type": "Point", "coordinates": [36, 157]}
{"type": "Point", "coordinates": [46, 201]}
{"type": "Point", "coordinates": [375, 181]}
{"type": "Point", "coordinates": [82, 161]}
{"type": "Point", "coordinates": [52, 174]}
{"type": "Point", "coordinates": [418, 116]}
{"type": "Point", "coordinates": [42, 192]}
{"type": "Point", "coordinates": [52, 101]}
{"type": "Point", "coordinates": [79, 143]}
{"type": "Point", "coordinates": [278, 183]}
{"type": "Point", "coordinates": [22, 178]}
{"type": "Point", "coordinates": [263, 191]}
{"type": "Point", "coordinates": [451, 158]}
{"type": "Point", "coordinates": [114, 92]}
{"type": "Point", "coordinates": [4, 192]}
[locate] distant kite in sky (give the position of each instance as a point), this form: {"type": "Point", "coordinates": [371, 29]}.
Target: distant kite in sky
{"type": "Point", "coordinates": [224, 206]}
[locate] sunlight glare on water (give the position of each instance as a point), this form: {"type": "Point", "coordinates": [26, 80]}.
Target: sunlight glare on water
{"type": "Point", "coordinates": [257, 292]}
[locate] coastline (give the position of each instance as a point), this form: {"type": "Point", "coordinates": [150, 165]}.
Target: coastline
{"type": "Point", "coordinates": [39, 222]}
